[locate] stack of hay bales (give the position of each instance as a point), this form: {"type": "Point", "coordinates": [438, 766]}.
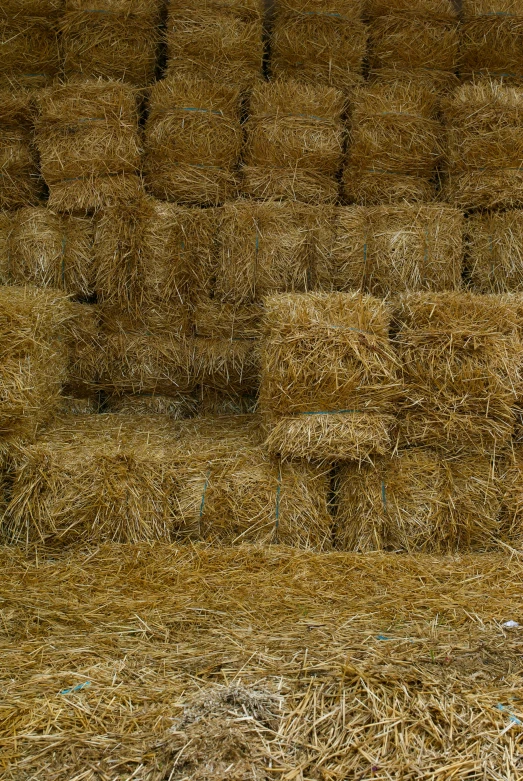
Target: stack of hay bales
{"type": "Point", "coordinates": [319, 41]}
{"type": "Point", "coordinates": [219, 41]}
{"type": "Point", "coordinates": [20, 183]}
{"type": "Point", "coordinates": [294, 143]}
{"type": "Point", "coordinates": [117, 40]}
{"type": "Point", "coordinates": [492, 39]}
{"type": "Point", "coordinates": [484, 146]}
{"type": "Point", "coordinates": [494, 242]}
{"type": "Point", "coordinates": [329, 377]}
{"type": "Point", "coordinates": [193, 140]}
{"type": "Point", "coordinates": [29, 50]}
{"type": "Point", "coordinates": [87, 137]}
{"type": "Point", "coordinates": [395, 143]}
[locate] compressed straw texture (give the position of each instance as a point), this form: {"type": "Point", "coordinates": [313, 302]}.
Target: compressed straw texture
{"type": "Point", "coordinates": [214, 402]}
{"type": "Point", "coordinates": [494, 244]}
{"type": "Point", "coordinates": [294, 142]}
{"type": "Point", "coordinates": [84, 350]}
{"type": "Point", "coordinates": [20, 184]}
{"type": "Point", "coordinates": [434, 9]}
{"type": "Point", "coordinates": [176, 407]}
{"type": "Point", "coordinates": [492, 39]}
{"type": "Point", "coordinates": [399, 41]}
{"type": "Point", "coordinates": [87, 137]}
{"type": "Point", "coordinates": [511, 519]}
{"type": "Point", "coordinates": [329, 382]}
{"type": "Point", "coordinates": [29, 45]}
{"type": "Point", "coordinates": [193, 140]}
{"type": "Point", "coordinates": [227, 363]}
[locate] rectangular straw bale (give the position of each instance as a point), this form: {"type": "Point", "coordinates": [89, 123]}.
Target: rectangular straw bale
{"type": "Point", "coordinates": [29, 45]}
{"type": "Point", "coordinates": [394, 143]}
{"type": "Point", "coordinates": [492, 39]}
{"type": "Point", "coordinates": [227, 364]}
{"type": "Point", "coordinates": [118, 39]}
{"type": "Point", "coordinates": [461, 357]}
{"type": "Point", "coordinates": [20, 183]}
{"type": "Point", "coordinates": [440, 82]}
{"type": "Point", "coordinates": [437, 9]}
{"type": "Point", "coordinates": [418, 500]}
{"type": "Point", "coordinates": [494, 244]}
{"type": "Point", "coordinates": [178, 407]}
{"type": "Point", "coordinates": [412, 41]}
{"type": "Point", "coordinates": [329, 384]}
{"type": "Point", "coordinates": [511, 516]}
{"type": "Point", "coordinates": [319, 42]}
{"type": "Point", "coordinates": [95, 478]}
{"type": "Point", "coordinates": [213, 402]}
{"type": "Point", "coordinates": [193, 140]}
{"type": "Point", "coordinates": [32, 8]}
{"type": "Point", "coordinates": [87, 137]}
{"type": "Point", "coordinates": [294, 142]}
{"type": "Point", "coordinates": [84, 345]}
{"type": "Point", "coordinates": [484, 146]}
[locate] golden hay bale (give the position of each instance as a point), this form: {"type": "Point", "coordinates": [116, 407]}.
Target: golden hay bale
{"type": "Point", "coordinates": [28, 45]}
{"type": "Point", "coordinates": [87, 137]}
{"type": "Point", "coordinates": [394, 143]}
{"type": "Point", "coordinates": [417, 500]}
{"type": "Point", "coordinates": [84, 345]}
{"type": "Point", "coordinates": [440, 82]}
{"type": "Point", "coordinates": [193, 140]}
{"type": "Point", "coordinates": [95, 478]}
{"type": "Point", "coordinates": [437, 9]}
{"type": "Point", "coordinates": [213, 402]}
{"type": "Point", "coordinates": [176, 407]}
{"type": "Point", "coordinates": [413, 42]}
{"type": "Point", "coordinates": [116, 40]}
{"type": "Point", "coordinates": [318, 43]}
{"type": "Point", "coordinates": [461, 356]}
{"type": "Point", "coordinates": [294, 142]}
{"type": "Point", "coordinates": [33, 359]}
{"type": "Point", "coordinates": [20, 183]}
{"type": "Point", "coordinates": [511, 518]}
{"type": "Point", "coordinates": [227, 321]}
{"type": "Point", "coordinates": [227, 364]}
{"type": "Point", "coordinates": [328, 384]}
{"type": "Point", "coordinates": [494, 243]}
{"type": "Point", "coordinates": [484, 146]}
{"type": "Point", "coordinates": [492, 39]}
{"type": "Point", "coordinates": [47, 249]}
{"type": "Point", "coordinates": [219, 43]}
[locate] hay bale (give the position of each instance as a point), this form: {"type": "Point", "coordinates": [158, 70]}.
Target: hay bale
{"type": "Point", "coordinates": [213, 320]}
{"type": "Point", "coordinates": [176, 407]}
{"type": "Point", "coordinates": [29, 45]}
{"type": "Point", "coordinates": [492, 39]}
{"type": "Point", "coordinates": [460, 355]}
{"type": "Point", "coordinates": [437, 9]}
{"type": "Point", "coordinates": [394, 143]}
{"type": "Point", "coordinates": [294, 142]}
{"type": "Point", "coordinates": [87, 137]}
{"type": "Point", "coordinates": [193, 140]}
{"type": "Point", "coordinates": [318, 42]}
{"type": "Point", "coordinates": [117, 40]}
{"type": "Point", "coordinates": [484, 146]}
{"type": "Point", "coordinates": [408, 41]}
{"type": "Point", "coordinates": [328, 384]}
{"type": "Point", "coordinates": [84, 345]}
{"type": "Point", "coordinates": [71, 405]}
{"type": "Point", "coordinates": [494, 243]}
{"type": "Point", "coordinates": [227, 364]}
{"type": "Point", "coordinates": [20, 184]}
{"type": "Point", "coordinates": [214, 403]}
{"type": "Point", "coordinates": [511, 517]}
{"type": "Point", "coordinates": [440, 82]}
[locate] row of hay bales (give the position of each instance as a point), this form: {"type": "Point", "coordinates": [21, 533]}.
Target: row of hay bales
{"type": "Point", "coordinates": [319, 41]}
{"type": "Point", "coordinates": [393, 141]}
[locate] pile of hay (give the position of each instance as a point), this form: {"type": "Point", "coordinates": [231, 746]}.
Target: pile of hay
{"type": "Point", "coordinates": [193, 140]}
{"type": "Point", "coordinates": [494, 243]}
{"type": "Point", "coordinates": [87, 137]}
{"type": "Point", "coordinates": [219, 41]}
{"type": "Point", "coordinates": [492, 39]}
{"type": "Point", "coordinates": [117, 40]}
{"type": "Point", "coordinates": [419, 500]}
{"type": "Point", "coordinates": [319, 41]}
{"type": "Point", "coordinates": [294, 142]}
{"type": "Point", "coordinates": [84, 351]}
{"type": "Point", "coordinates": [329, 376]}
{"type": "Point", "coordinates": [33, 360]}
{"type": "Point", "coordinates": [20, 183]}
{"type": "Point", "coordinates": [175, 407]}
{"type": "Point", "coordinates": [461, 357]}
{"type": "Point", "coordinates": [394, 143]}
{"type": "Point", "coordinates": [484, 146]}
{"type": "Point", "coordinates": [47, 249]}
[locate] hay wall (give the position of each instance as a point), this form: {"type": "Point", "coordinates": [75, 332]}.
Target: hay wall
{"type": "Point", "coordinates": [176, 407]}
{"type": "Point", "coordinates": [492, 39]}
{"type": "Point", "coordinates": [494, 243]}
{"type": "Point", "coordinates": [414, 41]}
{"type": "Point", "coordinates": [20, 183]}
{"type": "Point", "coordinates": [84, 351]}
{"type": "Point", "coordinates": [29, 46]}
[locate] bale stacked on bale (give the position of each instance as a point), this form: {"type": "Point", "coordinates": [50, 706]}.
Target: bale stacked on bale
{"type": "Point", "coordinates": [20, 184]}
{"type": "Point", "coordinates": [494, 242]}
{"type": "Point", "coordinates": [117, 40]}
{"type": "Point", "coordinates": [319, 41]}
{"type": "Point", "coordinates": [193, 140]}
{"type": "Point", "coordinates": [294, 142]}
{"type": "Point", "coordinates": [329, 383]}
{"type": "Point", "coordinates": [87, 136]}
{"type": "Point", "coordinates": [394, 143]}
{"type": "Point", "coordinates": [29, 42]}
{"type": "Point", "coordinates": [176, 407]}
{"type": "Point", "coordinates": [492, 39]}
{"type": "Point", "coordinates": [461, 356]}
{"type": "Point", "coordinates": [484, 146]}
{"type": "Point", "coordinates": [221, 42]}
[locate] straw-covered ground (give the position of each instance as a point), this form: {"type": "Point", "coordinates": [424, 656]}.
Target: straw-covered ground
{"type": "Point", "coordinates": [157, 663]}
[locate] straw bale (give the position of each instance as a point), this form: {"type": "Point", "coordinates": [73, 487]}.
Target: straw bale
{"type": "Point", "coordinates": [32, 8]}
{"type": "Point", "coordinates": [328, 384]}
{"type": "Point", "coordinates": [294, 142]}
{"type": "Point", "coordinates": [213, 402]}
{"type": "Point", "coordinates": [86, 405]}
{"type": "Point", "coordinates": [227, 321]}
{"type": "Point", "coordinates": [176, 407]}
{"type": "Point", "coordinates": [227, 364]}
{"type": "Point", "coordinates": [221, 44]}
{"type": "Point", "coordinates": [440, 82]}
{"type": "Point", "coordinates": [484, 146]}
{"type": "Point", "coordinates": [115, 40]}
{"type": "Point", "coordinates": [460, 354]}
{"type": "Point", "coordinates": [399, 41]}
{"type": "Point", "coordinates": [494, 242]}
{"type": "Point", "coordinates": [436, 9]}
{"type": "Point", "coordinates": [28, 45]}
{"type": "Point", "coordinates": [394, 143]}
{"type": "Point", "coordinates": [492, 39]}
{"type": "Point", "coordinates": [318, 43]}
{"type": "Point", "coordinates": [244, 9]}
{"type": "Point", "coordinates": [84, 345]}
{"type": "Point", "coordinates": [511, 518]}
{"type": "Point", "coordinates": [87, 137]}
{"type": "Point", "coordinates": [193, 140]}
{"type": "Point", "coordinates": [20, 184]}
